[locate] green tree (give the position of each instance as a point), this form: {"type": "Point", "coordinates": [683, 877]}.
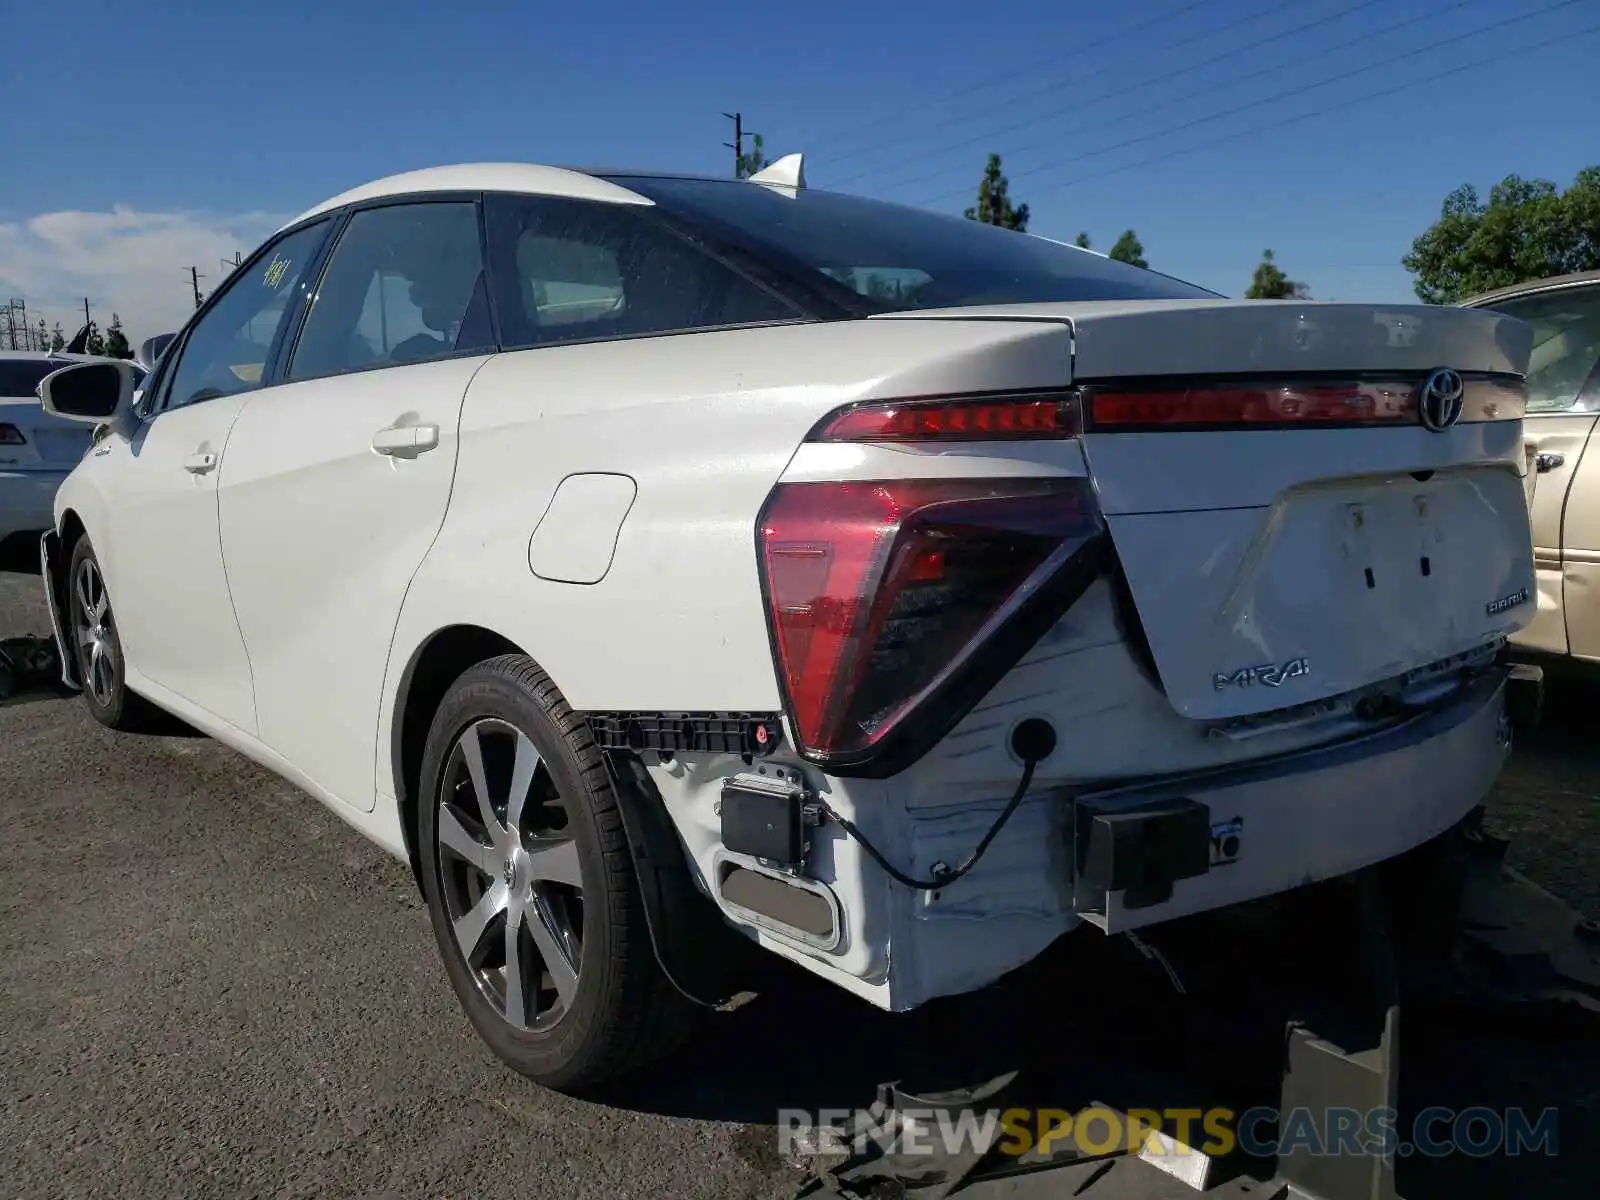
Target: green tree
{"type": "Point", "coordinates": [96, 343]}
{"type": "Point", "coordinates": [754, 159]}
{"type": "Point", "coordinates": [994, 205]}
{"type": "Point", "coordinates": [57, 338]}
{"type": "Point", "coordinates": [1529, 229]}
{"type": "Point", "coordinates": [41, 335]}
{"type": "Point", "coordinates": [1082, 241]}
{"type": "Point", "coordinates": [1129, 249]}
{"type": "Point", "coordinates": [116, 340]}
{"type": "Point", "coordinates": [1270, 283]}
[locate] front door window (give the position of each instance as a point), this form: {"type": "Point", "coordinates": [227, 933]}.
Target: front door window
{"type": "Point", "coordinates": [227, 350]}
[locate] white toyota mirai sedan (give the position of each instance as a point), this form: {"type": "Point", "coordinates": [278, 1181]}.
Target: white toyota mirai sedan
{"type": "Point", "coordinates": [647, 557]}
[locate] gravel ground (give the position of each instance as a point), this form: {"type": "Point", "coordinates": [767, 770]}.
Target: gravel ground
{"type": "Point", "coordinates": [209, 986]}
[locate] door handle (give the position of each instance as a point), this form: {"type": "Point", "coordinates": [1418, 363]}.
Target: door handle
{"type": "Point", "coordinates": [1547, 461]}
{"type": "Point", "coordinates": [405, 441]}
{"type": "Point", "coordinates": [200, 462]}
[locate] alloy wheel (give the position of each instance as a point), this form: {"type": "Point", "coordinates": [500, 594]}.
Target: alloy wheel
{"type": "Point", "coordinates": [97, 648]}
{"type": "Point", "coordinates": [509, 875]}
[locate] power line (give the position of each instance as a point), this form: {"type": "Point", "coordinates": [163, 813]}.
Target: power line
{"type": "Point", "coordinates": [1011, 73]}
{"type": "Point", "coordinates": [1379, 64]}
{"type": "Point", "coordinates": [1125, 86]}
{"type": "Point", "coordinates": [1497, 57]}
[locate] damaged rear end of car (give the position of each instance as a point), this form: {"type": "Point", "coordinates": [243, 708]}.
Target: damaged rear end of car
{"type": "Point", "coordinates": [1248, 568]}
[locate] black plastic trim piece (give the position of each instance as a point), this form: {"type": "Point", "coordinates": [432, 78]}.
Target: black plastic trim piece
{"type": "Point", "coordinates": [700, 954]}
{"type": "Point", "coordinates": [753, 735]}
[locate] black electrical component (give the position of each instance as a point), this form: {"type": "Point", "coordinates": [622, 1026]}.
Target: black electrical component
{"type": "Point", "coordinates": [1140, 851]}
{"type": "Point", "coordinates": [764, 821]}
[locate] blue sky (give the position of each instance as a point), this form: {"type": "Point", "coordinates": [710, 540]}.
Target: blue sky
{"type": "Point", "coordinates": [163, 135]}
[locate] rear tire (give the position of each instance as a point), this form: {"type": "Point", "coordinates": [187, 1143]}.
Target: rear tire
{"type": "Point", "coordinates": [531, 887]}
{"type": "Point", "coordinates": [96, 646]}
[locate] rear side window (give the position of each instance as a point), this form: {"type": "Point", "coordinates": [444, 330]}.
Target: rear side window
{"type": "Point", "coordinates": [404, 284]}
{"type": "Point", "coordinates": [20, 378]}
{"type": "Point", "coordinates": [571, 270]}
{"type": "Point", "coordinates": [896, 258]}
{"type": "Point", "coordinates": [1566, 347]}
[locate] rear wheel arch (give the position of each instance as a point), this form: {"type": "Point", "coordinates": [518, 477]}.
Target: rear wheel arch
{"type": "Point", "coordinates": [435, 665]}
{"type": "Point", "coordinates": [686, 928]}
{"type": "Point", "coordinates": [72, 529]}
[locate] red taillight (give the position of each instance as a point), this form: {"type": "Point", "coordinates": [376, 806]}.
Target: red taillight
{"type": "Point", "coordinates": [990, 418]}
{"type": "Point", "coordinates": [10, 435]}
{"type": "Point", "coordinates": [879, 590]}
{"type": "Point", "coordinates": [1231, 405]}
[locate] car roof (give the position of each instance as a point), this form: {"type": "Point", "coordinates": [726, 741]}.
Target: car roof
{"type": "Point", "coordinates": [607, 184]}
{"type": "Point", "coordinates": [529, 178]}
{"type": "Point", "coordinates": [1549, 284]}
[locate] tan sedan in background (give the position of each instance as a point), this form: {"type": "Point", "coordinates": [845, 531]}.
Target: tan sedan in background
{"type": "Point", "coordinates": [1563, 461]}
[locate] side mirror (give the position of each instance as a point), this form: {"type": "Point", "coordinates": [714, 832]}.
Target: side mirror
{"type": "Point", "coordinates": [93, 393]}
{"type": "Point", "coordinates": [151, 350]}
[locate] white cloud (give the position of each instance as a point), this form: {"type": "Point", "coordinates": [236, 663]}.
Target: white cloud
{"type": "Point", "coordinates": [131, 263]}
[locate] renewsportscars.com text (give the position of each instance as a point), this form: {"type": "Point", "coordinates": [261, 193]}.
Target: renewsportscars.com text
{"type": "Point", "coordinates": [1218, 1132]}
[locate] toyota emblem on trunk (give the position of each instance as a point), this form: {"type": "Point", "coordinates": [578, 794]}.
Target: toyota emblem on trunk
{"type": "Point", "coordinates": [1439, 399]}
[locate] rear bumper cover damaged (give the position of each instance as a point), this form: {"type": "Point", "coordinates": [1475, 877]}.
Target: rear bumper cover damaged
{"type": "Point", "coordinates": [1271, 826]}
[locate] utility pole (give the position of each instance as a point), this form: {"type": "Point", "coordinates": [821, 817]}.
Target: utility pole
{"type": "Point", "coordinates": [86, 319]}
{"type": "Point", "coordinates": [234, 263]}
{"type": "Point", "coordinates": [737, 145]}
{"type": "Point", "coordinates": [194, 281]}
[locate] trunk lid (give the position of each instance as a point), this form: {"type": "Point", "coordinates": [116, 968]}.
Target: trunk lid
{"type": "Point", "coordinates": [1273, 562]}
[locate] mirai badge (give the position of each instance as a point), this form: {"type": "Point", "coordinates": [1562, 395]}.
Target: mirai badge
{"type": "Point", "coordinates": [1496, 607]}
{"type": "Point", "coordinates": [1268, 674]}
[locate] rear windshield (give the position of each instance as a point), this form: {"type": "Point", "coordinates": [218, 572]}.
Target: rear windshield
{"type": "Point", "coordinates": [19, 377]}
{"type": "Point", "coordinates": [903, 258]}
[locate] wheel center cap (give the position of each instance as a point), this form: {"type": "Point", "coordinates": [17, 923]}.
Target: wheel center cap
{"type": "Point", "coordinates": [516, 870]}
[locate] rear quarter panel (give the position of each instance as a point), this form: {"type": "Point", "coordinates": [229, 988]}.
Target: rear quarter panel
{"type": "Point", "coordinates": [703, 424]}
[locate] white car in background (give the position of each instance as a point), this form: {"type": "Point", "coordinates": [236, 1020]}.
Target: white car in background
{"type": "Point", "coordinates": [642, 557]}
{"type": "Point", "coordinates": [37, 450]}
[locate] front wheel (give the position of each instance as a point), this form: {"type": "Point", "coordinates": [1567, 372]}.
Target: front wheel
{"type": "Point", "coordinates": [97, 646]}
{"type": "Point", "coordinates": [531, 887]}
